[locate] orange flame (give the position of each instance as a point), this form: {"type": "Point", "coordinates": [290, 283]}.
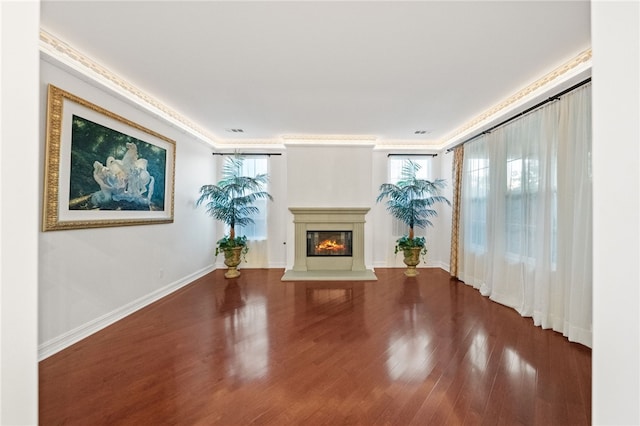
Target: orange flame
{"type": "Point", "coordinates": [331, 245]}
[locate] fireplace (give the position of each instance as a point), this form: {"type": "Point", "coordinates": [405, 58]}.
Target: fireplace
{"type": "Point", "coordinates": [329, 243]}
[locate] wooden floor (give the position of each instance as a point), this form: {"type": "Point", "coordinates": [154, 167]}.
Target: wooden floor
{"type": "Point", "coordinates": [256, 350]}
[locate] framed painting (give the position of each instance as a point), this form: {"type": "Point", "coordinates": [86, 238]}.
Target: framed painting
{"type": "Point", "coordinates": [103, 170]}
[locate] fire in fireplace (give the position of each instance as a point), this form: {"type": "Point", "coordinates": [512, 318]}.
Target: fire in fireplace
{"type": "Point", "coordinates": [329, 243]}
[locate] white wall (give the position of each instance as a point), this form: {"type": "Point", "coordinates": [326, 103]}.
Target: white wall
{"type": "Point", "coordinates": [442, 223]}
{"type": "Point", "coordinates": [19, 195]}
{"type": "Point", "coordinates": [278, 213]}
{"type": "Point", "coordinates": [329, 176]}
{"type": "Point", "coordinates": [89, 278]}
{"type": "Point", "coordinates": [616, 218]}
{"type": "Point", "coordinates": [382, 240]}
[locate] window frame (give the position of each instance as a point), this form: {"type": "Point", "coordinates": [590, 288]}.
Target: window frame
{"type": "Point", "coordinates": [425, 172]}
{"type": "Point", "coordinates": [249, 168]}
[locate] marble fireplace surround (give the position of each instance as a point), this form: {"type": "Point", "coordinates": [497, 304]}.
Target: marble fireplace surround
{"type": "Point", "coordinates": [328, 268]}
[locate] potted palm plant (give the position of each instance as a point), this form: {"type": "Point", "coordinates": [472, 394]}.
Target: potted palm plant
{"type": "Point", "coordinates": [231, 201]}
{"type": "Point", "coordinates": [411, 201]}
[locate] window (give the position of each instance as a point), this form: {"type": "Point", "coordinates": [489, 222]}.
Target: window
{"type": "Point", "coordinates": [521, 203]}
{"type": "Point", "coordinates": [476, 189]}
{"type": "Point", "coordinates": [253, 166]}
{"type": "Point", "coordinates": [395, 172]}
{"type": "Point", "coordinates": [525, 202]}
{"type": "Point", "coordinates": [516, 216]}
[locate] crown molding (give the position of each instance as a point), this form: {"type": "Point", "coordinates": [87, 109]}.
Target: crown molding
{"type": "Point", "coordinates": [329, 139]}
{"type": "Point", "coordinates": [574, 67]}
{"type": "Point", "coordinates": [418, 148]}
{"type": "Point", "coordinates": [271, 145]}
{"type": "Point", "coordinates": [226, 143]}
{"type": "Point", "coordinates": [412, 144]}
{"type": "Point", "coordinates": [63, 53]}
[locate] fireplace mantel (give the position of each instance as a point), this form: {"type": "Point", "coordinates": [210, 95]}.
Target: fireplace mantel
{"type": "Point", "coordinates": [329, 268]}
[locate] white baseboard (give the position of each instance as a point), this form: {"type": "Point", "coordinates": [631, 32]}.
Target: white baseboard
{"type": "Point", "coordinates": [440, 265]}
{"type": "Point", "coordinates": [67, 339]}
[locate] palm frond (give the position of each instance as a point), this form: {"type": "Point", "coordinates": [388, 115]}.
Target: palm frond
{"type": "Point", "coordinates": [409, 200]}
{"type": "Point", "coordinates": [231, 199]}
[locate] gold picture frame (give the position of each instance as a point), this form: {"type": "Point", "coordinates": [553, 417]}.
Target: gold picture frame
{"type": "Point", "coordinates": [103, 170]}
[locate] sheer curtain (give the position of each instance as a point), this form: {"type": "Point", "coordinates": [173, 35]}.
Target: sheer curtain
{"type": "Point", "coordinates": [526, 214]}
{"type": "Point", "coordinates": [256, 233]}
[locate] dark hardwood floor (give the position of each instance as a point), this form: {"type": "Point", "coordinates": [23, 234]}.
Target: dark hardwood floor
{"type": "Point", "coordinates": [255, 350]}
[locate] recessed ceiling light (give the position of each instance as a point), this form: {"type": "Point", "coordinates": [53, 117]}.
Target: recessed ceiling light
{"type": "Point", "coordinates": [422, 132]}
{"type": "Point", "coordinates": [234, 130]}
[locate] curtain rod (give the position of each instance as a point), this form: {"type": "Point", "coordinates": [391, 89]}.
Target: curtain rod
{"type": "Point", "coordinates": [246, 154]}
{"type": "Point", "coordinates": [412, 155]}
{"type": "Point", "coordinates": [538, 105]}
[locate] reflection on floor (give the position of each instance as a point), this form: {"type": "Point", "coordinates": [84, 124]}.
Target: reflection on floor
{"type": "Point", "coordinates": [423, 350]}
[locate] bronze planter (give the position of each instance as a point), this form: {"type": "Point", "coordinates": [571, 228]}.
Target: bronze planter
{"type": "Point", "coordinates": [232, 260]}
{"type": "Point", "coordinates": [411, 259]}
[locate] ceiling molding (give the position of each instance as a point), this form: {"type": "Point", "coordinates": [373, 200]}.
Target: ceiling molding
{"type": "Point", "coordinates": [65, 54]}
{"type": "Point", "coordinates": [559, 75]}
{"type": "Point", "coordinates": [410, 143]}
{"type": "Point", "coordinates": [329, 138]}
{"type": "Point", "coordinates": [244, 142]}
{"type": "Point", "coordinates": [398, 146]}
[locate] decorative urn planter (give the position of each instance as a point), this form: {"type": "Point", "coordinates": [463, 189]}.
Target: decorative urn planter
{"type": "Point", "coordinates": [412, 259]}
{"type": "Point", "coordinates": [411, 200]}
{"type": "Point", "coordinates": [232, 260]}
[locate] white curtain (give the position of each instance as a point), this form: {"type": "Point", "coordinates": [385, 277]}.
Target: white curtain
{"type": "Point", "coordinates": [258, 255]}
{"type": "Point", "coordinates": [526, 213]}
{"type": "Point", "coordinates": [257, 233]}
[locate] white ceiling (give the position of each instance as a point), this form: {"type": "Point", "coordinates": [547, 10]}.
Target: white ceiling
{"type": "Point", "coordinates": [384, 69]}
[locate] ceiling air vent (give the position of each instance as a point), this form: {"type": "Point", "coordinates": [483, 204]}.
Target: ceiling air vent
{"type": "Point", "coordinates": [234, 130]}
